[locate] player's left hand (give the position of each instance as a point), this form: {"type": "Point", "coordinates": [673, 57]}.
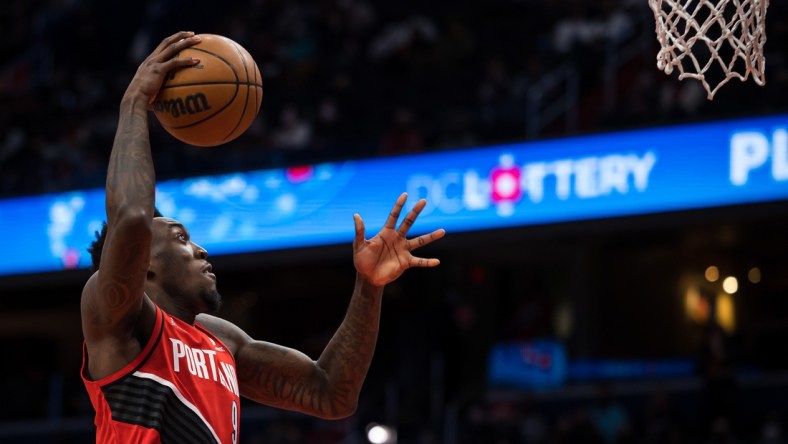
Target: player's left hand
{"type": "Point", "coordinates": [386, 256]}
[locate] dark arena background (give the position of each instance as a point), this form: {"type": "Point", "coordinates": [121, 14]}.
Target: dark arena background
{"type": "Point", "coordinates": [616, 263]}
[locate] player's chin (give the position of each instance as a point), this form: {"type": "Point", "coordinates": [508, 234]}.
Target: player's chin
{"type": "Point", "coordinates": [212, 300]}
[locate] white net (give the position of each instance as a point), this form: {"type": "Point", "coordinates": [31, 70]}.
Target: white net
{"type": "Point", "coordinates": [712, 41]}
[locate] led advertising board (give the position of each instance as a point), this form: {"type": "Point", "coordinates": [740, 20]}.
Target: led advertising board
{"type": "Point", "coordinates": [580, 178]}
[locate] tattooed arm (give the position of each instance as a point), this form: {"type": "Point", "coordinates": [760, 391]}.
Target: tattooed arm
{"type": "Point", "coordinates": [329, 387]}
{"type": "Point", "coordinates": [288, 379]}
{"type": "Point", "coordinates": [112, 300]}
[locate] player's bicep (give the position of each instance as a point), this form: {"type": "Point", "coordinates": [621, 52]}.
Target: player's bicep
{"type": "Point", "coordinates": [113, 297]}
{"type": "Point", "coordinates": [283, 377]}
{"type": "Point", "coordinates": [274, 375]}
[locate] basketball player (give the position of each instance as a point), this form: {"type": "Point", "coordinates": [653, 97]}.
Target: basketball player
{"type": "Point", "coordinates": [158, 365]}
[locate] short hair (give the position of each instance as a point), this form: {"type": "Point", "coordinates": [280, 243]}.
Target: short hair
{"type": "Point", "coordinates": [97, 245]}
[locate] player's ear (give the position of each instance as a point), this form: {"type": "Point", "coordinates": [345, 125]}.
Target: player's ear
{"type": "Point", "coordinates": [152, 273]}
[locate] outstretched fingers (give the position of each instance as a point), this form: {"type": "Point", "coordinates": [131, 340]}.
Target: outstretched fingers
{"type": "Point", "coordinates": [424, 263]}
{"type": "Point", "coordinates": [425, 239]}
{"type": "Point", "coordinates": [411, 217]}
{"type": "Point", "coordinates": [391, 221]}
{"type": "Point", "coordinates": [359, 239]}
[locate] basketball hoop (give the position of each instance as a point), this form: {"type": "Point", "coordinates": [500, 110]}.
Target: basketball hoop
{"type": "Point", "coordinates": [726, 36]}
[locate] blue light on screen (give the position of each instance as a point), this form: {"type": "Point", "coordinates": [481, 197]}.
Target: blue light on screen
{"type": "Point", "coordinates": [543, 364]}
{"type": "Point", "coordinates": [580, 178]}
{"type": "Point", "coordinates": [539, 364]}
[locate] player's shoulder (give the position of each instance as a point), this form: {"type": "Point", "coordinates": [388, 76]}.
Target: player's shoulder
{"type": "Point", "coordinates": [229, 333]}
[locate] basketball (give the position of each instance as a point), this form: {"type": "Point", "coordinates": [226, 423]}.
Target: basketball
{"type": "Point", "coordinates": [215, 101]}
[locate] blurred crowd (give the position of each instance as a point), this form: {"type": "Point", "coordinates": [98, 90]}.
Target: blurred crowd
{"type": "Point", "coordinates": [342, 78]}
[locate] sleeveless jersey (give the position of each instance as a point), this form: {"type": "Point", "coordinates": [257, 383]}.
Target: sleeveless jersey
{"type": "Point", "coordinates": [182, 388]}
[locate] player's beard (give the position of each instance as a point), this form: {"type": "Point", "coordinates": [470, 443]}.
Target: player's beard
{"type": "Point", "coordinates": [212, 300]}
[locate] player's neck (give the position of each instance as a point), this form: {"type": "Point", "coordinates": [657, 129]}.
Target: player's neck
{"type": "Point", "coordinates": [172, 306]}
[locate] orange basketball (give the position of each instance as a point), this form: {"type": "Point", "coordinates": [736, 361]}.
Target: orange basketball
{"type": "Point", "coordinates": [215, 101]}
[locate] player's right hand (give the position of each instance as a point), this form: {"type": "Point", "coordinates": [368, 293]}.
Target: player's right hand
{"type": "Point", "coordinates": [153, 70]}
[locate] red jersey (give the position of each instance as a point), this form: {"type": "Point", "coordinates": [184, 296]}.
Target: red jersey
{"type": "Point", "coordinates": [182, 388]}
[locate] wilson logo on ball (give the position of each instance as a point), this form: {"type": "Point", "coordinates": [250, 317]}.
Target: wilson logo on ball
{"type": "Point", "coordinates": [191, 104]}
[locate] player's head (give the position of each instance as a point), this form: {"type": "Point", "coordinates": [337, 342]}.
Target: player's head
{"type": "Point", "coordinates": [180, 267]}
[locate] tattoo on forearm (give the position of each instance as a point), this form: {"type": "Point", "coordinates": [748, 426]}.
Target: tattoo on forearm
{"type": "Point", "coordinates": [280, 381]}
{"type": "Point", "coordinates": [332, 386]}
{"type": "Point", "coordinates": [349, 353]}
{"type": "Point", "coordinates": [131, 177]}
